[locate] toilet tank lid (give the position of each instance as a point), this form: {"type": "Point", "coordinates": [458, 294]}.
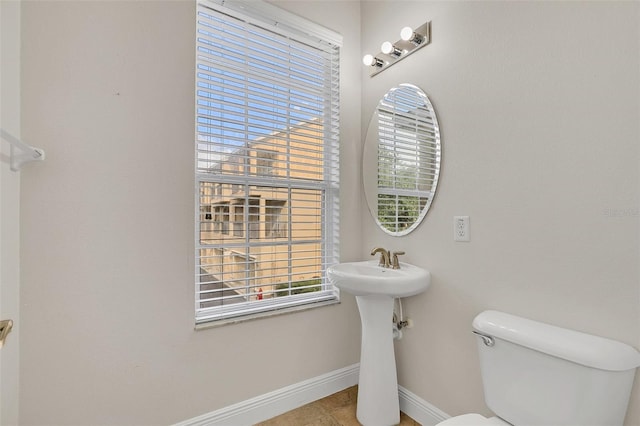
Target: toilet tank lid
{"type": "Point", "coordinates": [586, 349]}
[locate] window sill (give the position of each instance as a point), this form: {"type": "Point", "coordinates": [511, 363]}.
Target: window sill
{"type": "Point", "coordinates": [275, 312]}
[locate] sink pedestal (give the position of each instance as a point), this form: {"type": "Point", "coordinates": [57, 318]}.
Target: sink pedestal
{"type": "Point", "coordinates": [378, 403]}
{"type": "Point", "coordinates": [375, 288]}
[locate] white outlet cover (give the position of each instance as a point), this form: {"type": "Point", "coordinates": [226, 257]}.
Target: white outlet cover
{"type": "Point", "coordinates": [461, 228]}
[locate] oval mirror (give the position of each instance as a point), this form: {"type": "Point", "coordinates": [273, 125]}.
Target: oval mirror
{"type": "Point", "coordinates": [401, 159]}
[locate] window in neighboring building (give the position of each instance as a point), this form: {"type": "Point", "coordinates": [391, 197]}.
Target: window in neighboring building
{"type": "Point", "coordinates": [275, 219]}
{"type": "Point", "coordinates": [266, 163]}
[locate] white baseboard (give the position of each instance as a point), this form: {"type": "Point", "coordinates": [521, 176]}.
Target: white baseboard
{"type": "Point", "coordinates": [280, 401]}
{"type": "Point", "coordinates": [420, 410]}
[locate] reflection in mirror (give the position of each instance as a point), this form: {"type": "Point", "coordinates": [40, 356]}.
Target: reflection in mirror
{"type": "Point", "coordinates": [401, 160]}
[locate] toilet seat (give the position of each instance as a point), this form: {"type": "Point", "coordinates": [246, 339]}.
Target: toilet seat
{"type": "Point", "coordinates": [473, 419]}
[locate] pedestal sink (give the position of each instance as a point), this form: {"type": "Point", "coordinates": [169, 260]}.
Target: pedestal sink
{"type": "Point", "coordinates": [375, 288]}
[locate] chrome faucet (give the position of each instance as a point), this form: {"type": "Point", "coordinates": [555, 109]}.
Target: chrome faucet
{"type": "Point", "coordinates": [384, 256]}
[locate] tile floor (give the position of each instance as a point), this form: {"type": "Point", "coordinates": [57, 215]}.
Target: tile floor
{"type": "Point", "coordinates": [338, 409]}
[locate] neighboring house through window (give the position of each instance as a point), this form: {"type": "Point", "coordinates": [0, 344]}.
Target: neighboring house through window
{"type": "Point", "coordinates": [267, 87]}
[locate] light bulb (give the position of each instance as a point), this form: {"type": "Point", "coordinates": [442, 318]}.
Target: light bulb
{"type": "Point", "coordinates": [406, 33]}
{"type": "Point", "coordinates": [390, 49]}
{"type": "Point", "coordinates": [386, 47]}
{"type": "Point", "coordinates": [370, 60]}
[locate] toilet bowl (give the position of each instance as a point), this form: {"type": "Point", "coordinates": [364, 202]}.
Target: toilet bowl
{"type": "Point", "coordinates": [536, 373]}
{"type": "Point", "coordinates": [473, 420]}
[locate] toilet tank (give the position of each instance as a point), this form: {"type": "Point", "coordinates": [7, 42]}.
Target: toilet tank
{"type": "Point", "coordinates": [538, 374]}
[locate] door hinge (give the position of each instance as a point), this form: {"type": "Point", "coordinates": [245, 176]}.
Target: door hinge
{"type": "Point", "coordinates": [5, 329]}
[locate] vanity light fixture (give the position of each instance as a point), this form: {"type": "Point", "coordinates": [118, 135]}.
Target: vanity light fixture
{"type": "Point", "coordinates": [410, 41]}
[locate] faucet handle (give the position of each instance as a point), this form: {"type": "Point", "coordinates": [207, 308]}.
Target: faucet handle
{"type": "Point", "coordinates": [395, 264]}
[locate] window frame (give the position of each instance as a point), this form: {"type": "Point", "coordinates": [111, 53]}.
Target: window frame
{"type": "Point", "coordinates": [276, 20]}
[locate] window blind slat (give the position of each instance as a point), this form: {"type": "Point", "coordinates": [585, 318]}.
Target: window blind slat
{"type": "Point", "coordinates": [287, 59]}
{"type": "Point", "coordinates": [251, 74]}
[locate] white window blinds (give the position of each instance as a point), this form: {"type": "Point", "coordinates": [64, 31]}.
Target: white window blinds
{"type": "Point", "coordinates": [266, 161]}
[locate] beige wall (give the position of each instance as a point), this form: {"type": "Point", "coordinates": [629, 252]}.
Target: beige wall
{"type": "Point", "coordinates": [108, 234]}
{"type": "Point", "coordinates": [9, 208]}
{"type": "Point", "coordinates": [538, 104]}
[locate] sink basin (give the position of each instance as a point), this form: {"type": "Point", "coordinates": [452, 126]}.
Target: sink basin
{"type": "Point", "coordinates": [367, 278]}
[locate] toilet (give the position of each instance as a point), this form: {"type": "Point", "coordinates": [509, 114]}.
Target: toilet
{"type": "Point", "coordinates": [538, 374]}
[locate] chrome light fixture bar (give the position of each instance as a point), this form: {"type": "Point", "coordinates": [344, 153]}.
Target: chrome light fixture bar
{"type": "Point", "coordinates": [391, 53]}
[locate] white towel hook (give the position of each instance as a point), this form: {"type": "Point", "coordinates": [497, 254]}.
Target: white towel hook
{"type": "Point", "coordinates": [26, 153]}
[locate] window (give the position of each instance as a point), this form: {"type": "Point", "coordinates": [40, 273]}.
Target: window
{"type": "Point", "coordinates": [265, 163]}
{"type": "Point", "coordinates": [267, 160]}
{"type": "Point", "coordinates": [276, 225]}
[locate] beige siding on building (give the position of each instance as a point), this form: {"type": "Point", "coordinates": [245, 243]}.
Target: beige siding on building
{"type": "Point", "coordinates": [257, 242]}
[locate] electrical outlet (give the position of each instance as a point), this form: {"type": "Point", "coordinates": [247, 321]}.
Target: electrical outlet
{"type": "Point", "coordinates": [461, 228]}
